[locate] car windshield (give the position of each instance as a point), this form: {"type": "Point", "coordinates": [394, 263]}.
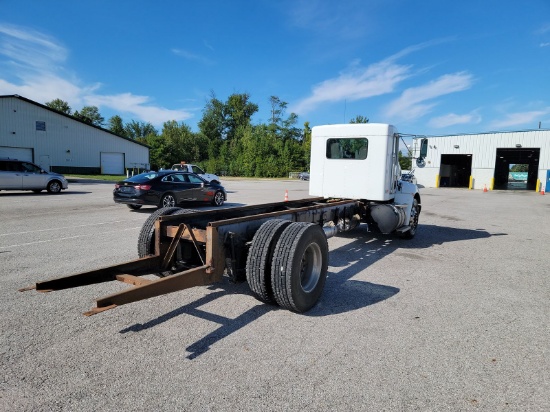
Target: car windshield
{"type": "Point", "coordinates": [143, 177]}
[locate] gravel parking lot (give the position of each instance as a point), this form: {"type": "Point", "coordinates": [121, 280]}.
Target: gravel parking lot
{"type": "Point", "coordinates": [456, 319]}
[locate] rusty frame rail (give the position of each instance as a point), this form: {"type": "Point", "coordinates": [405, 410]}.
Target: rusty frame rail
{"type": "Point", "coordinates": [208, 230]}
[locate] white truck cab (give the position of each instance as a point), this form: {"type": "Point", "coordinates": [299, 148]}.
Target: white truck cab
{"type": "Point", "coordinates": [360, 161]}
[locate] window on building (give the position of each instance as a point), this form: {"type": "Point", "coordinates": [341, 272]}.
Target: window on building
{"type": "Point", "coordinates": [40, 126]}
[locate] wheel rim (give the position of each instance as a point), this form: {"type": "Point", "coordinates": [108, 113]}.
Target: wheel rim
{"type": "Point", "coordinates": [55, 187]}
{"type": "Point", "coordinates": [310, 268]}
{"type": "Point", "coordinates": [218, 198]}
{"type": "Point", "coordinates": [168, 201]}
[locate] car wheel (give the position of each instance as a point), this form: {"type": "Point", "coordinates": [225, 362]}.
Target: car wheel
{"type": "Point", "coordinates": [168, 200]}
{"type": "Point", "coordinates": [218, 199]}
{"type": "Point", "coordinates": [54, 186]}
{"type": "Point", "coordinates": [134, 207]}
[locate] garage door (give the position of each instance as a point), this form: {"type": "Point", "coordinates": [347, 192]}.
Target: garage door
{"type": "Point", "coordinates": [21, 153]}
{"type": "Point", "coordinates": [112, 163]}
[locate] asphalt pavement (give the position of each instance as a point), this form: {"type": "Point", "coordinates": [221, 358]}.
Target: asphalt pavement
{"type": "Point", "coordinates": [456, 319]}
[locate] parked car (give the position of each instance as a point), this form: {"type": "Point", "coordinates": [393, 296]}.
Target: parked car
{"type": "Point", "coordinates": [303, 176]}
{"type": "Point", "coordinates": [167, 188]}
{"type": "Point", "coordinates": [22, 175]}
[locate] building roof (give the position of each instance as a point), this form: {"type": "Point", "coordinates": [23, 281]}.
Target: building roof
{"type": "Point", "coordinates": [42, 106]}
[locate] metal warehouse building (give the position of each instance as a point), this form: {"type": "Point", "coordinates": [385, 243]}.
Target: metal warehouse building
{"type": "Point", "coordinates": [61, 143]}
{"type": "Point", "coordinates": [479, 161]}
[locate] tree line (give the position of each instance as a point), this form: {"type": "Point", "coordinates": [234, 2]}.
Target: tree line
{"type": "Point", "coordinates": [226, 143]}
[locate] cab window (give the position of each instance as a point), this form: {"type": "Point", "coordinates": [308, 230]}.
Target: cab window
{"type": "Point", "coordinates": [198, 170]}
{"type": "Point", "coordinates": [355, 148]}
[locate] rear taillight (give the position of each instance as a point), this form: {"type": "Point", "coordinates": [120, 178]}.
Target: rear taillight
{"type": "Point", "coordinates": [143, 187]}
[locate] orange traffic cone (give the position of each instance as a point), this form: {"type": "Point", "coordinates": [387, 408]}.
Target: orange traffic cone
{"type": "Point", "coordinates": [542, 191]}
{"type": "Point", "coordinates": [286, 195]}
{"type": "Point", "coordinates": [485, 188]}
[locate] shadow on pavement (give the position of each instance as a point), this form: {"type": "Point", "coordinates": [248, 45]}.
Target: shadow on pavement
{"type": "Point", "coordinates": [342, 294]}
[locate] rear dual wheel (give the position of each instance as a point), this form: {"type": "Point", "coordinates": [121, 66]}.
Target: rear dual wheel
{"type": "Point", "coordinates": [260, 255]}
{"type": "Point", "coordinates": [299, 262]}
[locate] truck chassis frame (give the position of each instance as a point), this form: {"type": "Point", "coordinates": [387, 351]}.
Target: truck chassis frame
{"type": "Point", "coordinates": [196, 248]}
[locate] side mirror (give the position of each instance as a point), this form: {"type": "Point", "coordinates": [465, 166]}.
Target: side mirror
{"type": "Point", "coordinates": [420, 161]}
{"type": "Point", "coordinates": [423, 147]}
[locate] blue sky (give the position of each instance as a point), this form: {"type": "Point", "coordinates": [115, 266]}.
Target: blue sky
{"type": "Point", "coordinates": [430, 67]}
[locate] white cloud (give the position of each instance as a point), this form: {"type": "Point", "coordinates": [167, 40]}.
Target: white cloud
{"type": "Point", "coordinates": [33, 67]}
{"type": "Point", "coordinates": [355, 84]}
{"type": "Point", "coordinates": [413, 102]}
{"type": "Point", "coordinates": [544, 44]}
{"type": "Point", "coordinates": [193, 57]}
{"type": "Point", "coordinates": [522, 119]}
{"type": "Point", "coordinates": [27, 47]}
{"type": "Point", "coordinates": [139, 106]}
{"type": "Point", "coordinates": [452, 119]}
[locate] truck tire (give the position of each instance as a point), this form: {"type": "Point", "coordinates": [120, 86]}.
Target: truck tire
{"type": "Point", "coordinates": [413, 221]}
{"type": "Point", "coordinates": [146, 244]}
{"type": "Point", "coordinates": [260, 256]}
{"type": "Point", "coordinates": [299, 267]}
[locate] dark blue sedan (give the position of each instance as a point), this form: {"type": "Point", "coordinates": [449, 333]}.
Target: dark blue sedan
{"type": "Point", "coordinates": [167, 188]}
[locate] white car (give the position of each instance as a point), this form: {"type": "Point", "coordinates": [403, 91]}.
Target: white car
{"type": "Point", "coordinates": [21, 175]}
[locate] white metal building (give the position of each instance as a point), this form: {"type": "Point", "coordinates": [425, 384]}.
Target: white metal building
{"type": "Point", "coordinates": [483, 160]}
{"type": "Point", "coordinates": [61, 143]}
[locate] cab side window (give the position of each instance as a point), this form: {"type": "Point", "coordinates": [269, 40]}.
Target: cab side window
{"type": "Point", "coordinates": [198, 170]}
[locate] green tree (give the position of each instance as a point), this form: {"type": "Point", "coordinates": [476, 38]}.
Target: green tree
{"type": "Point", "coordinates": [404, 161]}
{"type": "Point", "coordinates": [181, 143]}
{"type": "Point", "coordinates": [90, 114]}
{"type": "Point", "coordinates": [136, 130]}
{"type": "Point", "coordinates": [359, 119]}
{"type": "Point", "coordinates": [212, 123]}
{"type": "Point", "coordinates": [59, 105]}
{"type": "Point", "coordinates": [116, 125]}
{"type": "Point", "coordinates": [519, 168]}
{"type": "Point", "coordinates": [158, 151]}
{"type": "Point", "coordinates": [306, 144]}
{"type": "Point", "coordinates": [278, 108]}
{"type": "Point", "coordinates": [238, 112]}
